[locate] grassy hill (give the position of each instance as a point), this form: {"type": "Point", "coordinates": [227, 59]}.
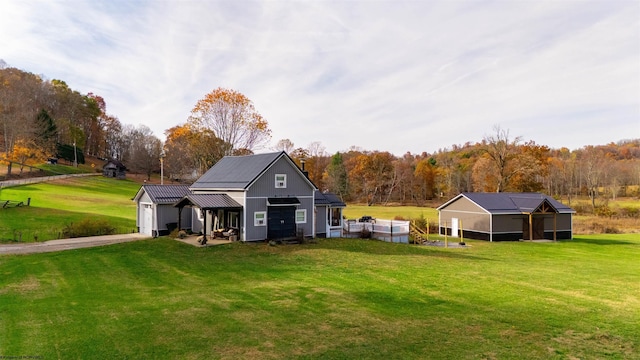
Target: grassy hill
{"type": "Point", "coordinates": [334, 299]}
{"type": "Point", "coordinates": [59, 203]}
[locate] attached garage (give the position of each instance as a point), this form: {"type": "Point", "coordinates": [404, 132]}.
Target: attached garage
{"type": "Point", "coordinates": [506, 217]}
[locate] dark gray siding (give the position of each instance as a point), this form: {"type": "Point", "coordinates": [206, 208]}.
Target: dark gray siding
{"type": "Point", "coordinates": [297, 184]}
{"type": "Point", "coordinates": [167, 214]}
{"type": "Point", "coordinates": [255, 233]}
{"type": "Point", "coordinates": [321, 220]}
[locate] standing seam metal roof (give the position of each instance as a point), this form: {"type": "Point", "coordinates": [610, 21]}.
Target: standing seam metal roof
{"type": "Point", "coordinates": [165, 194]}
{"type": "Point", "coordinates": [505, 202]}
{"type": "Point", "coordinates": [235, 172]}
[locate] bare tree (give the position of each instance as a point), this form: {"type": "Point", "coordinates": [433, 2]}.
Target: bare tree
{"type": "Point", "coordinates": [501, 150]}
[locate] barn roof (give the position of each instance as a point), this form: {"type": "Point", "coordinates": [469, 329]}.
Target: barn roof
{"type": "Point", "coordinates": [209, 201]}
{"type": "Point", "coordinates": [236, 172]}
{"type": "Point", "coordinates": [508, 203]}
{"type": "Point", "coordinates": [163, 194]}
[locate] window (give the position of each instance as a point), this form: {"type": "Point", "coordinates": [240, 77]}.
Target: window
{"type": "Point", "coordinates": [259, 218]}
{"type": "Point", "coordinates": [281, 181]}
{"type": "Point", "coordinates": [301, 216]}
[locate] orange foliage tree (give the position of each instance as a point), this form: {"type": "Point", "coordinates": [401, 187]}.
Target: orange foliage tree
{"type": "Point", "coordinates": [232, 118]}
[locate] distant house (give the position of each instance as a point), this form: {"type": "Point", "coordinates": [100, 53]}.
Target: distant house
{"type": "Point", "coordinates": [156, 214]}
{"type": "Point", "coordinates": [257, 197]}
{"type": "Point", "coordinates": [114, 169]}
{"type": "Point", "coordinates": [506, 216]}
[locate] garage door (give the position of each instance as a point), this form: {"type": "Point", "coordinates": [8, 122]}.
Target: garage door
{"type": "Point", "coordinates": [146, 220]}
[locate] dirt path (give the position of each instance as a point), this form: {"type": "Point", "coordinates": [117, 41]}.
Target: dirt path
{"type": "Point", "coordinates": [67, 244]}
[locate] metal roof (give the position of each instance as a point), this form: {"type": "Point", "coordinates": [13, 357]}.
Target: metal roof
{"type": "Point", "coordinates": [283, 201]}
{"type": "Point", "coordinates": [506, 203]}
{"type": "Point", "coordinates": [163, 194]}
{"type": "Point", "coordinates": [328, 198]}
{"type": "Point", "coordinates": [235, 172]}
{"type": "Point", "coordinates": [209, 201]}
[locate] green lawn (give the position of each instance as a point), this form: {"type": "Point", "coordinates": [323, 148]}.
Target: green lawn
{"type": "Point", "coordinates": [334, 299]}
{"type": "Point", "coordinates": [59, 203]}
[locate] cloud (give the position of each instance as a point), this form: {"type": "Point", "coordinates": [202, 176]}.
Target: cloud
{"type": "Point", "coordinates": [383, 75]}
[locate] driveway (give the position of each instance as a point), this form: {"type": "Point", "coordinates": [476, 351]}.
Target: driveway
{"type": "Point", "coordinates": [67, 244]}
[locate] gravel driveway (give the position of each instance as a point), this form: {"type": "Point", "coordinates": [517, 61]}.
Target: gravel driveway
{"type": "Point", "coordinates": [67, 244]}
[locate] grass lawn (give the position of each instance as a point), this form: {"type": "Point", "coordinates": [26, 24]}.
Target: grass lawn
{"type": "Point", "coordinates": [335, 299]}
{"type": "Point", "coordinates": [59, 203]}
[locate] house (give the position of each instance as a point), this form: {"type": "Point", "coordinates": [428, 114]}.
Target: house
{"type": "Point", "coordinates": [114, 169]}
{"type": "Point", "coordinates": [506, 216]}
{"type": "Point", "coordinates": [255, 198]}
{"type": "Point", "coordinates": [156, 214]}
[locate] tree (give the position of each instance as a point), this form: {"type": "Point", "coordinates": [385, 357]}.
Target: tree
{"type": "Point", "coordinates": [191, 152]}
{"type": "Point", "coordinates": [24, 150]}
{"type": "Point", "coordinates": [285, 145]}
{"type": "Point", "coordinates": [501, 151]}
{"type": "Point", "coordinates": [232, 118]}
{"type": "Point", "coordinates": [425, 173]}
{"type": "Point", "coordinates": [46, 132]}
{"type": "Point", "coordinates": [335, 176]}
{"type": "Point", "coordinates": [373, 176]}
{"type": "Point", "coordinates": [145, 151]}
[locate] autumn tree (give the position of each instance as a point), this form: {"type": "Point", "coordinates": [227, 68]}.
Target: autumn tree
{"type": "Point", "coordinates": [232, 118]}
{"type": "Point", "coordinates": [25, 151]}
{"type": "Point", "coordinates": [335, 177]}
{"type": "Point", "coordinates": [425, 176]}
{"type": "Point", "coordinates": [501, 151]}
{"type": "Point", "coordinates": [373, 176]}
{"type": "Point", "coordinates": [191, 152]}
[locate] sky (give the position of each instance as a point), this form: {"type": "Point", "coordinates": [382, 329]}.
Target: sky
{"type": "Point", "coordinates": [379, 75]}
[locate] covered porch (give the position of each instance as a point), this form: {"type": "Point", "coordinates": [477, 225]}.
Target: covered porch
{"type": "Point", "coordinates": [218, 214]}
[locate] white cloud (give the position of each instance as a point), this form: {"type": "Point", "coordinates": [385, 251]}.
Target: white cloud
{"type": "Point", "coordinates": [383, 75]}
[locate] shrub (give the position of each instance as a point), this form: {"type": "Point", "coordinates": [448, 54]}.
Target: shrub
{"type": "Point", "coordinates": [604, 211]}
{"type": "Point", "coordinates": [421, 222]}
{"type": "Point", "coordinates": [88, 227]}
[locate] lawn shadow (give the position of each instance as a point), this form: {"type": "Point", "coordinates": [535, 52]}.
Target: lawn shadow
{"type": "Point", "coordinates": [377, 247]}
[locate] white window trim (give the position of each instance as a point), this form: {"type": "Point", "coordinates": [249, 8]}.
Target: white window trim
{"type": "Point", "coordinates": [284, 182]}
{"type": "Point", "coordinates": [301, 211]}
{"type": "Point", "coordinates": [256, 221]}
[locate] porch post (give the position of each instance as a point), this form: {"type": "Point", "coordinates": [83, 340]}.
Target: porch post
{"type": "Point", "coordinates": [530, 226]}
{"type": "Point", "coordinates": [555, 219]}
{"type": "Point", "coordinates": [204, 229]}
{"type": "Point", "coordinates": [180, 218]}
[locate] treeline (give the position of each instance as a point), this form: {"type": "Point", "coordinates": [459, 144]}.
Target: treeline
{"type": "Point", "coordinates": [497, 163]}
{"type": "Point", "coordinates": [41, 119]}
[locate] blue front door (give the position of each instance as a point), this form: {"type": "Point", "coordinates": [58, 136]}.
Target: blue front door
{"type": "Point", "coordinates": [281, 222]}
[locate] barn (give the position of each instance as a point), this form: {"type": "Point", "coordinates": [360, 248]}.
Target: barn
{"type": "Point", "coordinates": [506, 217]}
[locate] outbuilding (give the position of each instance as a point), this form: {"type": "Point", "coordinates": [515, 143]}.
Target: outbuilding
{"type": "Point", "coordinates": [156, 214]}
{"type": "Point", "coordinates": [506, 217]}
{"type": "Point", "coordinates": [114, 169]}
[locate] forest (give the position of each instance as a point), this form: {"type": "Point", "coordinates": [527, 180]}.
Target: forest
{"type": "Point", "coordinates": [42, 119]}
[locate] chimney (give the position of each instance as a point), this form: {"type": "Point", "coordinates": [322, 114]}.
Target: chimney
{"type": "Point", "coordinates": [305, 172]}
